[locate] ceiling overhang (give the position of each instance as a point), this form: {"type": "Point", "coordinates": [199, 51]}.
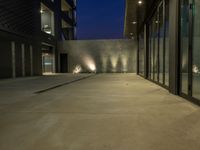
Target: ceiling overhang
{"type": "Point", "coordinates": [130, 26]}
{"type": "Point", "coordinates": [135, 16]}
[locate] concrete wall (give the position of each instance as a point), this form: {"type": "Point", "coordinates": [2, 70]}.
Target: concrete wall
{"type": "Point", "coordinates": [19, 57]}
{"type": "Point", "coordinates": [104, 55]}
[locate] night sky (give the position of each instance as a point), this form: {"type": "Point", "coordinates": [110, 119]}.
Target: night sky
{"type": "Point", "coordinates": [100, 19]}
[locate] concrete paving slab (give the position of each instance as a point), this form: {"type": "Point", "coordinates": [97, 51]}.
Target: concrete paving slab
{"type": "Point", "coordinates": [104, 112]}
{"type": "Point", "coordinates": [12, 90]}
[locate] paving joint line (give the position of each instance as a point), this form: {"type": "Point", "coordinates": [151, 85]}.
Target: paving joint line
{"type": "Point", "coordinates": [63, 84]}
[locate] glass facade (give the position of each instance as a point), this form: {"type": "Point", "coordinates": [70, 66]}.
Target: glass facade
{"type": "Point", "coordinates": [184, 46]}
{"type": "Point", "coordinates": [190, 48]}
{"type": "Point", "coordinates": [196, 49]}
{"type": "Point", "coordinates": [155, 33]}
{"type": "Point", "coordinates": [150, 53]}
{"type": "Point", "coordinates": [158, 45]}
{"type": "Point", "coordinates": [166, 44]}
{"type": "Point", "coordinates": [141, 54]}
{"type": "Point", "coordinates": [161, 44]}
{"type": "Point", "coordinates": [173, 63]}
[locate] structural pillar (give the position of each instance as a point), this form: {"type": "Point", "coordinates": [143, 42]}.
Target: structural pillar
{"type": "Point", "coordinates": [174, 46]}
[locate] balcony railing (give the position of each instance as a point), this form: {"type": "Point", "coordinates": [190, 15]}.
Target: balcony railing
{"type": "Point", "coordinates": [71, 3]}
{"type": "Point", "coordinates": [68, 19]}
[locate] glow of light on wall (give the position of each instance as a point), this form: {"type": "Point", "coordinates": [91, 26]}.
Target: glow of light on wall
{"type": "Point", "coordinates": [114, 60]}
{"type": "Point", "coordinates": [124, 60]}
{"type": "Point", "coordinates": [92, 67]}
{"type": "Point", "coordinates": [104, 63]}
{"type": "Point", "coordinates": [77, 69]}
{"type": "Point", "coordinates": [89, 62]}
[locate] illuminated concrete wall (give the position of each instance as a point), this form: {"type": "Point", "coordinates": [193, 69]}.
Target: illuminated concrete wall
{"type": "Point", "coordinates": [102, 55]}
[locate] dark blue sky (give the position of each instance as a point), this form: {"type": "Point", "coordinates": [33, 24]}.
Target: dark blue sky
{"type": "Point", "coordinates": [100, 19]}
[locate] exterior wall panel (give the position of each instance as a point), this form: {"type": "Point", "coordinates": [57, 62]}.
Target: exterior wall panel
{"type": "Point", "coordinates": [18, 58]}
{"type": "Point", "coordinates": [5, 59]}
{"type": "Point", "coordinates": [20, 22]}
{"type": "Point", "coordinates": [113, 56]}
{"type": "Point", "coordinates": [19, 17]}
{"type": "Point", "coordinates": [27, 60]}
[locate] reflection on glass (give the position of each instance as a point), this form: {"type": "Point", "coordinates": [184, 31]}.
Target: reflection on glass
{"type": "Point", "coordinates": [149, 54]}
{"type": "Point", "coordinates": [156, 47]}
{"type": "Point", "coordinates": [167, 43]}
{"type": "Point", "coordinates": [47, 62]}
{"type": "Point", "coordinates": [47, 20]}
{"type": "Point", "coordinates": [196, 49]}
{"type": "Point", "coordinates": [161, 45]}
{"type": "Point", "coordinates": [184, 45]}
{"type": "Point", "coordinates": [141, 54]}
{"type": "Point", "coordinates": [152, 52]}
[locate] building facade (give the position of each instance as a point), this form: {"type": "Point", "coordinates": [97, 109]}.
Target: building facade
{"type": "Point", "coordinates": [29, 32]}
{"type": "Point", "coordinates": [168, 44]}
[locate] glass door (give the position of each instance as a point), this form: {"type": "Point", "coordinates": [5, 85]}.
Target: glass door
{"type": "Point", "coordinates": [166, 44]}
{"type": "Point", "coordinates": [158, 45]}
{"type": "Point", "coordinates": [190, 49]}
{"type": "Point", "coordinates": [141, 53]}
{"type": "Point", "coordinates": [47, 63]}
{"type": "Point", "coordinates": [161, 43]}
{"type": "Point", "coordinates": [184, 46]}
{"type": "Point", "coordinates": [150, 53]}
{"type": "Point", "coordinates": [196, 49]}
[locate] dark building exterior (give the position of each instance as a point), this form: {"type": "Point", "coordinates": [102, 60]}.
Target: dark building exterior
{"type": "Point", "coordinates": [29, 32]}
{"type": "Point", "coordinates": [168, 43]}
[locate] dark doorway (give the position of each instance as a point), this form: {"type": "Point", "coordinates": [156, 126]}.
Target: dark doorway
{"type": "Point", "coordinates": [63, 63]}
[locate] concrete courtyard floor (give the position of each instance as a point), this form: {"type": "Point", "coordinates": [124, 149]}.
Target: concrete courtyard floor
{"type": "Point", "coordinates": [103, 112]}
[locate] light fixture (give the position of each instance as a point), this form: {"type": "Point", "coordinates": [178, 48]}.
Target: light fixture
{"type": "Point", "coordinates": [77, 69]}
{"type": "Point", "coordinates": [41, 11]}
{"type": "Point", "coordinates": [131, 33]}
{"type": "Point", "coordinates": [134, 22]}
{"type": "Point", "coordinates": [195, 69]}
{"type": "Point", "coordinates": [46, 54]}
{"type": "Point", "coordinates": [140, 2]}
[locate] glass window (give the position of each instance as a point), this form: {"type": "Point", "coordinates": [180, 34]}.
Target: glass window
{"type": "Point", "coordinates": [141, 53]}
{"type": "Point", "coordinates": [155, 31]}
{"type": "Point", "coordinates": [149, 53]}
{"type": "Point", "coordinates": [152, 52]}
{"type": "Point", "coordinates": [184, 37]}
{"type": "Point", "coordinates": [161, 44]}
{"type": "Point", "coordinates": [196, 49]}
{"type": "Point", "coordinates": [47, 20]}
{"type": "Point", "coordinates": [166, 43]}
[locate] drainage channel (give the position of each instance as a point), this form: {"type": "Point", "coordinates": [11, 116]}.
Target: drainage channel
{"type": "Point", "coordinates": [60, 85]}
